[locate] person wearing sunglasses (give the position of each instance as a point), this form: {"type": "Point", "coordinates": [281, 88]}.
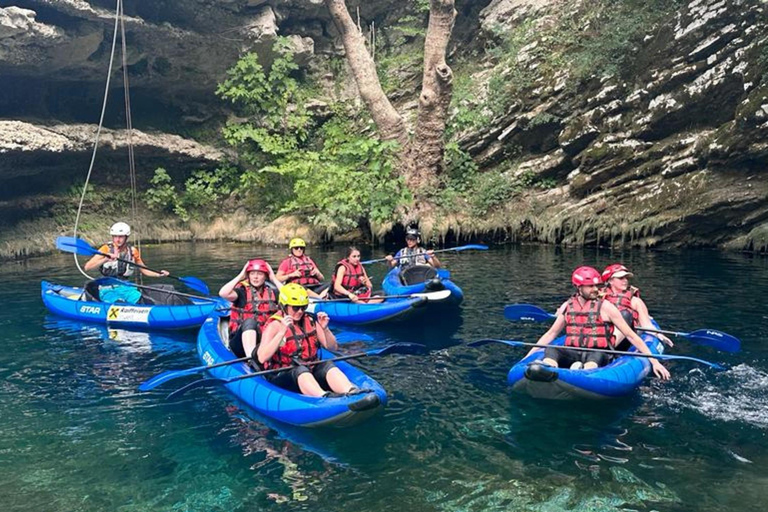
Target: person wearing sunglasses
{"type": "Point", "coordinates": [627, 299]}
{"type": "Point", "coordinates": [292, 338]}
{"type": "Point", "coordinates": [413, 253]}
{"type": "Point", "coordinates": [299, 268]}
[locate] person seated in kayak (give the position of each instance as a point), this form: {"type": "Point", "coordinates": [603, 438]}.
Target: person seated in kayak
{"type": "Point", "coordinates": [253, 302]}
{"type": "Point", "coordinates": [299, 268]}
{"type": "Point", "coordinates": [291, 339]}
{"type": "Point", "coordinates": [589, 321]}
{"type": "Point", "coordinates": [413, 253]}
{"type": "Point", "coordinates": [120, 248]}
{"type": "Point", "coordinates": [350, 280]}
{"type": "Point", "coordinates": [627, 299]}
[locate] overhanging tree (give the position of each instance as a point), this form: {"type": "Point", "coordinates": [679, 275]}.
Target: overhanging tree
{"type": "Point", "coordinates": [421, 155]}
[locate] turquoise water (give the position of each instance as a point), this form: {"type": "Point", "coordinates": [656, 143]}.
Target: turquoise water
{"type": "Point", "coordinates": [75, 434]}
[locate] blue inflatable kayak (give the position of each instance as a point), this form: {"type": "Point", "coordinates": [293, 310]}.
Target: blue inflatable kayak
{"type": "Point", "coordinates": [280, 404]}
{"type": "Point", "coordinates": [619, 378]}
{"type": "Point", "coordinates": [361, 314]}
{"type": "Point", "coordinates": [420, 279]}
{"type": "Point", "coordinates": [71, 302]}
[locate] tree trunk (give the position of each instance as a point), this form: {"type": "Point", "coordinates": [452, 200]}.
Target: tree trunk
{"type": "Point", "coordinates": [428, 146]}
{"type": "Point", "coordinates": [388, 122]}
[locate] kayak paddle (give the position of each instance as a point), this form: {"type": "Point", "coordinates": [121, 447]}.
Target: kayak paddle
{"type": "Point", "coordinates": [515, 343]}
{"type": "Point", "coordinates": [162, 378]}
{"type": "Point", "coordinates": [475, 247]}
{"type": "Point", "coordinates": [709, 337]}
{"type": "Point", "coordinates": [83, 248]}
{"type": "Point", "coordinates": [430, 296]}
{"type": "Point", "coordinates": [395, 348]}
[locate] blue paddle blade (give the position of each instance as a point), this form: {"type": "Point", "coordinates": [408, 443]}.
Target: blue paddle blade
{"type": "Point", "coordinates": [164, 377]}
{"type": "Point", "coordinates": [350, 337]}
{"type": "Point", "coordinates": [526, 313]}
{"type": "Point", "coordinates": [476, 247]}
{"type": "Point", "coordinates": [75, 245]}
{"type": "Point", "coordinates": [716, 339]}
{"type": "Point", "coordinates": [196, 284]}
{"type": "Point", "coordinates": [511, 343]}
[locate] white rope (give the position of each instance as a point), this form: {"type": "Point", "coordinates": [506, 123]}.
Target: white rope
{"type": "Point", "coordinates": [118, 10]}
{"type": "Point", "coordinates": [138, 227]}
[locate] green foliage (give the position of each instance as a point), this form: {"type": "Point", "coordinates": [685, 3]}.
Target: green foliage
{"type": "Point", "coordinates": [328, 170]}
{"type": "Point", "coordinates": [490, 190]}
{"type": "Point", "coordinates": [200, 197]}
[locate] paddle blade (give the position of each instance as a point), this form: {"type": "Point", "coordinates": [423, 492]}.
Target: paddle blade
{"type": "Point", "coordinates": [526, 313]}
{"type": "Point", "coordinates": [201, 383]}
{"type": "Point", "coordinates": [716, 339]}
{"type": "Point", "coordinates": [75, 245]}
{"type": "Point", "coordinates": [398, 348]}
{"type": "Point", "coordinates": [433, 296]}
{"type": "Point", "coordinates": [162, 378]}
{"type": "Point", "coordinates": [350, 337]}
{"type": "Point", "coordinates": [196, 284]}
{"type": "Point", "coordinates": [476, 247]}
{"type": "Point", "coordinates": [511, 343]}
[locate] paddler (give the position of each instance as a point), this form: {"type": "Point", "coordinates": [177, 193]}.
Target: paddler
{"type": "Point", "coordinates": [120, 248]}
{"type": "Point", "coordinates": [292, 338]}
{"type": "Point", "coordinates": [413, 253]}
{"type": "Point", "coordinates": [299, 268]}
{"type": "Point", "coordinates": [627, 299]}
{"type": "Point", "coordinates": [589, 322]}
{"type": "Point", "coordinates": [350, 280]}
{"type": "Point", "coordinates": [253, 302]}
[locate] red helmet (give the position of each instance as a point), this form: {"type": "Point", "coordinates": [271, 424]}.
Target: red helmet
{"type": "Point", "coordinates": [585, 276]}
{"type": "Point", "coordinates": [615, 270]}
{"type": "Point", "coordinates": [259, 265]}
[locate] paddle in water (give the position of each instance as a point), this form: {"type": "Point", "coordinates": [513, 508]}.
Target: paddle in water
{"type": "Point", "coordinates": [515, 343]}
{"type": "Point", "coordinates": [83, 248]}
{"type": "Point", "coordinates": [475, 247]}
{"type": "Point", "coordinates": [709, 337]}
{"type": "Point", "coordinates": [395, 348]}
{"type": "Point", "coordinates": [162, 378]}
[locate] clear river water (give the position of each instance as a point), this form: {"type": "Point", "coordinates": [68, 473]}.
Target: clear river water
{"type": "Point", "coordinates": [76, 435]}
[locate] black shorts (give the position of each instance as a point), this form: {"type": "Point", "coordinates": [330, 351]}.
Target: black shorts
{"type": "Point", "coordinates": [289, 379]}
{"type": "Point", "coordinates": [565, 357]}
{"type": "Point", "coordinates": [236, 338]}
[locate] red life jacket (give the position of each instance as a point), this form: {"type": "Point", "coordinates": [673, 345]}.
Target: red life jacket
{"type": "Point", "coordinates": [300, 341]}
{"type": "Point", "coordinates": [305, 266]}
{"type": "Point", "coordinates": [352, 279]}
{"type": "Point", "coordinates": [623, 301]}
{"type": "Point", "coordinates": [583, 325]}
{"type": "Point", "coordinates": [252, 305]}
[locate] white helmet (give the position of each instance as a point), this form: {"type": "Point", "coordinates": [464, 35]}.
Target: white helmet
{"type": "Point", "coordinates": [120, 229]}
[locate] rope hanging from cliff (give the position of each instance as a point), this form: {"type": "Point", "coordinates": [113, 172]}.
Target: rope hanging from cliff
{"type": "Point", "coordinates": [129, 128]}
{"type": "Point", "coordinates": [118, 10]}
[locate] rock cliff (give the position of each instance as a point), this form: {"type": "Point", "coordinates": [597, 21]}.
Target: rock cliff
{"type": "Point", "coordinates": [656, 140]}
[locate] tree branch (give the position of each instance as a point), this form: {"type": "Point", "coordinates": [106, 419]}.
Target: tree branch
{"type": "Point", "coordinates": [389, 123]}
{"type": "Point", "coordinates": [435, 98]}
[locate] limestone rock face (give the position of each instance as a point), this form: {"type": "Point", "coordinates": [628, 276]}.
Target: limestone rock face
{"type": "Point", "coordinates": [674, 155]}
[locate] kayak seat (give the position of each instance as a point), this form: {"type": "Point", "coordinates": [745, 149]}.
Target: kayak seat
{"type": "Point", "coordinates": [91, 291]}
{"type": "Point", "coordinates": [163, 296]}
{"type": "Point", "coordinates": [416, 274]}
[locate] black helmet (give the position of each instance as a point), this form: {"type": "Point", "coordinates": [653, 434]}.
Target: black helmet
{"type": "Point", "coordinates": [412, 232]}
